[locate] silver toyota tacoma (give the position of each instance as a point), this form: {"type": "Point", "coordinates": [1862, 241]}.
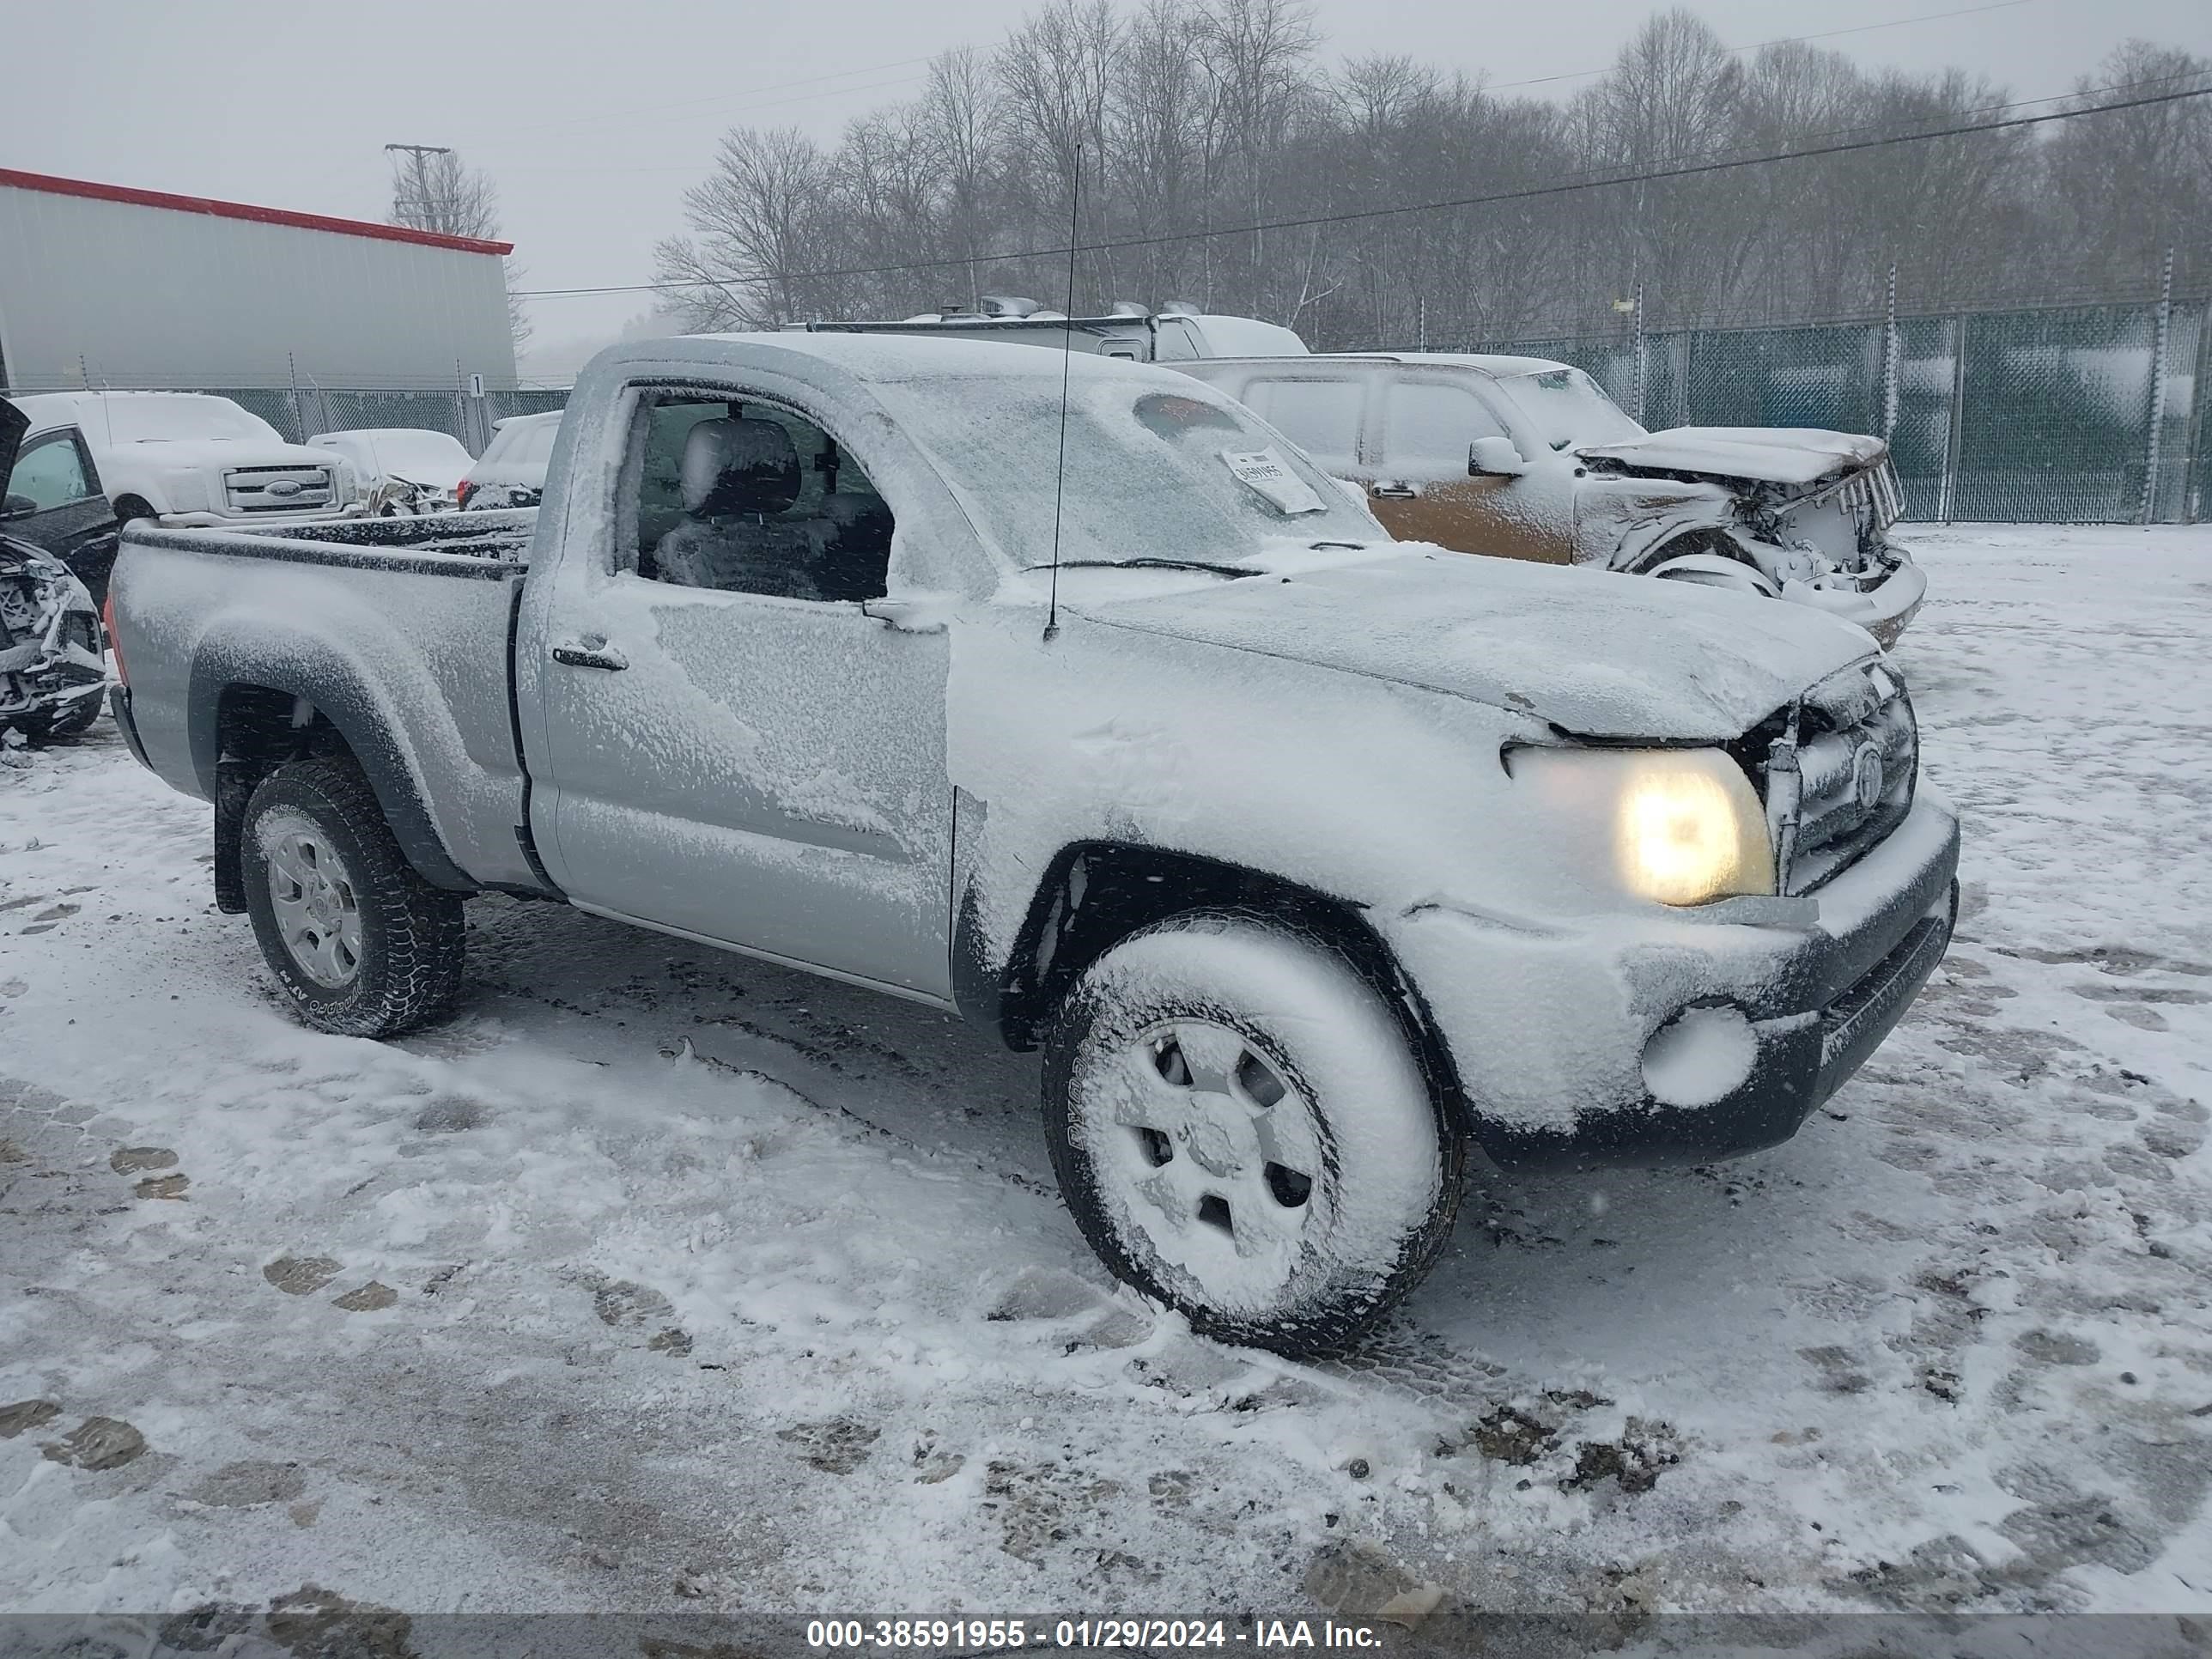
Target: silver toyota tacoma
{"type": "Point", "coordinates": [1311, 859]}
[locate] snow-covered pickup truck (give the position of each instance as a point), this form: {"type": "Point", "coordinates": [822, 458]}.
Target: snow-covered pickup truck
{"type": "Point", "coordinates": [188, 458]}
{"type": "Point", "coordinates": [1311, 859]}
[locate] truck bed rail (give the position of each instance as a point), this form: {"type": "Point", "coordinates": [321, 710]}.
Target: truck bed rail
{"type": "Point", "coordinates": [490, 546]}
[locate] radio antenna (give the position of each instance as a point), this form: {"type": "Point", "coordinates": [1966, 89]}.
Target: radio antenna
{"type": "Point", "coordinates": [1066, 362]}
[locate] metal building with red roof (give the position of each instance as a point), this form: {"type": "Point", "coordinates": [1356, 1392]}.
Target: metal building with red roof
{"type": "Point", "coordinates": [105, 285]}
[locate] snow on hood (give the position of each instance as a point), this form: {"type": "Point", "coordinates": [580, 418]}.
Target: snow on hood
{"type": "Point", "coordinates": [14, 423]}
{"type": "Point", "coordinates": [1599, 654]}
{"type": "Point", "coordinates": [209, 454]}
{"type": "Point", "coordinates": [1763, 454]}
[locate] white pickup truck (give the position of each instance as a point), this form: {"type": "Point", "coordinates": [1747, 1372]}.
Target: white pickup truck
{"type": "Point", "coordinates": [188, 458]}
{"type": "Point", "coordinates": [1311, 859]}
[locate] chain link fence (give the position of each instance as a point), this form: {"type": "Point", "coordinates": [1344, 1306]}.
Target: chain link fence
{"type": "Point", "coordinates": [299, 414]}
{"type": "Point", "coordinates": [2075, 414]}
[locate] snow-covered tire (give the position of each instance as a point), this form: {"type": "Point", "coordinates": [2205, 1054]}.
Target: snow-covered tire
{"type": "Point", "coordinates": [1241, 1132]}
{"type": "Point", "coordinates": [360, 944]}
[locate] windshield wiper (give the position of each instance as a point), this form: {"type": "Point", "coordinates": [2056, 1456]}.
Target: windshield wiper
{"type": "Point", "coordinates": [1146, 564]}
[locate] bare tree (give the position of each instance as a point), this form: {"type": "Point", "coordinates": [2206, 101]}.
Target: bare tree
{"type": "Point", "coordinates": [962, 122]}
{"type": "Point", "coordinates": [433, 190]}
{"type": "Point", "coordinates": [1198, 122]}
{"type": "Point", "coordinates": [762, 220]}
{"type": "Point", "coordinates": [2136, 182]}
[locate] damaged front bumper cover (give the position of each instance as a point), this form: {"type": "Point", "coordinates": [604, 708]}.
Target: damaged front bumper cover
{"type": "Point", "coordinates": [1882, 607]}
{"type": "Point", "coordinates": [1552, 1032]}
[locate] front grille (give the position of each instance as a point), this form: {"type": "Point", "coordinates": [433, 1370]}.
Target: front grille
{"type": "Point", "coordinates": [252, 490]}
{"type": "Point", "coordinates": [1872, 495]}
{"type": "Point", "coordinates": [1837, 770]}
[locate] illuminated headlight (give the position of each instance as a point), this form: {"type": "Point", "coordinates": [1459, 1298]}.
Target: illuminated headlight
{"type": "Point", "coordinates": [1682, 826]}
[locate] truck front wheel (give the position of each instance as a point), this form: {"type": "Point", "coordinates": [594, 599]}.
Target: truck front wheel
{"type": "Point", "coordinates": [1240, 1131]}
{"type": "Point", "coordinates": [361, 944]}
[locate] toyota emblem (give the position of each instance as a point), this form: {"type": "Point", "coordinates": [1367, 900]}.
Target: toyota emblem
{"type": "Point", "coordinates": [1867, 779]}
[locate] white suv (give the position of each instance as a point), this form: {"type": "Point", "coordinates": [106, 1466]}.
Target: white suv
{"type": "Point", "coordinates": [186, 457]}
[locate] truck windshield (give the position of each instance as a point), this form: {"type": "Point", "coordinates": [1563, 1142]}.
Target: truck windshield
{"type": "Point", "coordinates": [1567, 409]}
{"type": "Point", "coordinates": [1151, 472]}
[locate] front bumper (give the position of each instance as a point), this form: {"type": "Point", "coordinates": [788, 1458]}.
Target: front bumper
{"type": "Point", "coordinates": [1548, 1029]}
{"type": "Point", "coordinates": [1882, 610]}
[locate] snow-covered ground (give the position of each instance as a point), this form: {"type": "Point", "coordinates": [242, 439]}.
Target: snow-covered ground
{"type": "Point", "coordinates": [664, 1280]}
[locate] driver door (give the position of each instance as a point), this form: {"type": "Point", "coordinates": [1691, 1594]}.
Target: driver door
{"type": "Point", "coordinates": [54, 501]}
{"type": "Point", "coordinates": [1420, 489]}
{"type": "Point", "coordinates": [750, 768]}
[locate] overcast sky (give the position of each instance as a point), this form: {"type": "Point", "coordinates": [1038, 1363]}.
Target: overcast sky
{"type": "Point", "coordinates": [593, 118]}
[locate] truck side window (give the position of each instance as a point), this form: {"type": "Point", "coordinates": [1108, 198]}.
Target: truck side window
{"type": "Point", "coordinates": [51, 471]}
{"type": "Point", "coordinates": [1319, 417]}
{"type": "Point", "coordinates": [1428, 425]}
{"type": "Point", "coordinates": [750, 498]}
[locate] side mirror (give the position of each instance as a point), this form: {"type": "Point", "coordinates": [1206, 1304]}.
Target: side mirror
{"type": "Point", "coordinates": [1494, 458]}
{"type": "Point", "coordinates": [17, 506]}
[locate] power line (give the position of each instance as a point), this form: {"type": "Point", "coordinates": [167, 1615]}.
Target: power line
{"type": "Point", "coordinates": [909, 80]}
{"type": "Point", "coordinates": [1560, 188]}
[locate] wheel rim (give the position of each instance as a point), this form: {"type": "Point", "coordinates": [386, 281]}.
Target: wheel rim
{"type": "Point", "coordinates": [1210, 1157]}
{"type": "Point", "coordinates": [311, 894]}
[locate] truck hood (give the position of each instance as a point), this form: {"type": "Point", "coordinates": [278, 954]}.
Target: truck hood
{"type": "Point", "coordinates": [1597, 654]}
{"type": "Point", "coordinates": [1755, 454]}
{"type": "Point", "coordinates": [14, 423]}
{"type": "Point", "coordinates": [210, 454]}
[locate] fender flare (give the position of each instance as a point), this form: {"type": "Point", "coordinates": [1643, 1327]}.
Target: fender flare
{"type": "Point", "coordinates": [333, 691]}
{"type": "Point", "coordinates": [1012, 989]}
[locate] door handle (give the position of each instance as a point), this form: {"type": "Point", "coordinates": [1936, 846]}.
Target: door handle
{"type": "Point", "coordinates": [577, 654]}
{"type": "Point", "coordinates": [918, 613]}
{"type": "Point", "coordinates": [1393, 492]}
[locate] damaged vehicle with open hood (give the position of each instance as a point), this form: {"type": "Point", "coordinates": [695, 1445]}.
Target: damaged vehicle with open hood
{"type": "Point", "coordinates": [53, 674]}
{"type": "Point", "coordinates": [1063, 694]}
{"type": "Point", "coordinates": [1524, 459]}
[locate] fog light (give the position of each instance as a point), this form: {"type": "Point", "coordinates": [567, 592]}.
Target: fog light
{"type": "Point", "coordinates": [1701, 1056]}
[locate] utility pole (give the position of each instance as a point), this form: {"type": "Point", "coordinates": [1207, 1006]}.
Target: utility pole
{"type": "Point", "coordinates": [411, 187]}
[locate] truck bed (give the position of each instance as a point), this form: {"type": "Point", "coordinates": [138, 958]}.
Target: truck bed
{"type": "Point", "coordinates": [443, 544]}
{"type": "Point", "coordinates": [397, 631]}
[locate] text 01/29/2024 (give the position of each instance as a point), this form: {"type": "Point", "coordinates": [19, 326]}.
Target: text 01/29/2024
{"type": "Point", "coordinates": [989, 1635]}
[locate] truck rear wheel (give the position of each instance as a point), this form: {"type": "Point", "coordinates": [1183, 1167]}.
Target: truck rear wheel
{"type": "Point", "coordinates": [360, 943]}
{"type": "Point", "coordinates": [1241, 1132]}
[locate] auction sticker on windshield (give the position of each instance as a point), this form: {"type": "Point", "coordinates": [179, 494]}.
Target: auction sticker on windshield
{"type": "Point", "coordinates": [1266, 472]}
